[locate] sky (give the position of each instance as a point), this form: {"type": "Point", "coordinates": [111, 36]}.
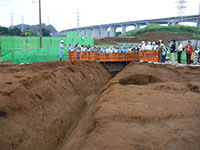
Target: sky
{"type": "Point", "coordinates": [62, 14]}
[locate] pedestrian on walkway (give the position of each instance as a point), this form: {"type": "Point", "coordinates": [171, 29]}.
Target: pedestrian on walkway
{"type": "Point", "coordinates": [189, 49]}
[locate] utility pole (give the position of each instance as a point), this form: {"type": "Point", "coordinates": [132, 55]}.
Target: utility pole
{"type": "Point", "coordinates": [11, 20]}
{"type": "Point", "coordinates": [198, 22]}
{"type": "Point", "coordinates": [78, 19]}
{"type": "Point", "coordinates": [22, 25]}
{"type": "Point", "coordinates": [48, 20]}
{"type": "Point", "coordinates": [181, 8]}
{"type": "Point", "coordinates": [40, 20]}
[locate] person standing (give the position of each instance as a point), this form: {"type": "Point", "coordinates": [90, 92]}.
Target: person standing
{"type": "Point", "coordinates": [173, 50]}
{"type": "Point", "coordinates": [180, 50]}
{"type": "Point", "coordinates": [189, 49]}
{"type": "Point", "coordinates": [78, 50]}
{"type": "Point", "coordinates": [70, 48]}
{"type": "Point", "coordinates": [62, 46]}
{"type": "Point", "coordinates": [160, 49]}
{"type": "Point", "coordinates": [164, 52]}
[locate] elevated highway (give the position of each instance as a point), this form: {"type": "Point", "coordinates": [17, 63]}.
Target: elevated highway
{"type": "Point", "coordinates": [100, 31]}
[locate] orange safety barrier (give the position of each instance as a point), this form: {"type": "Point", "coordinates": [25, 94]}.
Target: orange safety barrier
{"type": "Point", "coordinates": [85, 56]}
{"type": "Point", "coordinates": [149, 56]}
{"type": "Point", "coordinates": [133, 56]}
{"type": "Point", "coordinates": [146, 56]}
{"type": "Point", "coordinates": [73, 56]}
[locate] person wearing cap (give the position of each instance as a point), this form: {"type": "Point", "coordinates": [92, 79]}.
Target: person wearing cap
{"type": "Point", "coordinates": [189, 49]}
{"type": "Point", "coordinates": [143, 46]}
{"type": "Point", "coordinates": [62, 46]}
{"type": "Point", "coordinates": [164, 52]}
{"type": "Point", "coordinates": [149, 46]}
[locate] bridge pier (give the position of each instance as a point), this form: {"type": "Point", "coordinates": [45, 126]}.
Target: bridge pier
{"type": "Point", "coordinates": [137, 26]}
{"type": "Point", "coordinates": [113, 31]}
{"type": "Point", "coordinates": [103, 32]}
{"type": "Point", "coordinates": [124, 29]}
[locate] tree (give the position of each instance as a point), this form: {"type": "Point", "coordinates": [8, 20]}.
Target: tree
{"type": "Point", "coordinates": [45, 32]}
{"type": "Point", "coordinates": [14, 31]}
{"type": "Point", "coordinates": [3, 31]}
{"type": "Point", "coordinates": [29, 32]}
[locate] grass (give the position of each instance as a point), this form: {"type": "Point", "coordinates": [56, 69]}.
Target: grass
{"type": "Point", "coordinates": [161, 29]}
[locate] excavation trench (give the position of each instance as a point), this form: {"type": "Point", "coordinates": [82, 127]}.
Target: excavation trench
{"type": "Point", "coordinates": [40, 104]}
{"type": "Point", "coordinates": [77, 106]}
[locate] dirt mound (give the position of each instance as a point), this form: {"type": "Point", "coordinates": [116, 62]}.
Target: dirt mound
{"type": "Point", "coordinates": [139, 79]}
{"type": "Point", "coordinates": [41, 103]}
{"type": "Point", "coordinates": [164, 115]}
{"type": "Point", "coordinates": [146, 37]}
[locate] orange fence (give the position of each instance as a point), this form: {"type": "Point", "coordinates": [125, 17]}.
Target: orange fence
{"type": "Point", "coordinates": [149, 56]}
{"type": "Point", "coordinates": [146, 56]}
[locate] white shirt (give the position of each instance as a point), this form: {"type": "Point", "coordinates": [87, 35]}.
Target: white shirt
{"type": "Point", "coordinates": [180, 48]}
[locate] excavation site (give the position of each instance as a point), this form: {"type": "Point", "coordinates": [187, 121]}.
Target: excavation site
{"type": "Point", "coordinates": [67, 105]}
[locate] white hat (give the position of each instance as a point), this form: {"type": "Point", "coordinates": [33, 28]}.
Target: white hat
{"type": "Point", "coordinates": [153, 42]}
{"type": "Point", "coordinates": [61, 41]}
{"type": "Point", "coordinates": [142, 42]}
{"type": "Point", "coordinates": [160, 41]}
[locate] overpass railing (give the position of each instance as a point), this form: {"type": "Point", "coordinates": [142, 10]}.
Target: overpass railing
{"type": "Point", "coordinates": [145, 56]}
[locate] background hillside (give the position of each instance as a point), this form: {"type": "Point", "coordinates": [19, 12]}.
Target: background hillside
{"type": "Point", "coordinates": [37, 27]}
{"type": "Point", "coordinates": [161, 29]}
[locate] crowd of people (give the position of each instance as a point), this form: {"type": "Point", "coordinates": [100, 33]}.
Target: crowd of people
{"type": "Point", "coordinates": [163, 49]}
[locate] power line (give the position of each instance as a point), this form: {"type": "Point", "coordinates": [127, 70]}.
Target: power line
{"type": "Point", "coordinates": [181, 8]}
{"type": "Point", "coordinates": [22, 25]}
{"type": "Point", "coordinates": [78, 19]}
{"type": "Point", "coordinates": [13, 3]}
{"type": "Point", "coordinates": [11, 20]}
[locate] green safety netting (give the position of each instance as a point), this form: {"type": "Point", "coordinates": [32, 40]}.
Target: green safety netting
{"type": "Point", "coordinates": [26, 49]}
{"type": "Point", "coordinates": [34, 42]}
{"type": "Point", "coordinates": [183, 56]}
{"type": "Point", "coordinates": [33, 55]}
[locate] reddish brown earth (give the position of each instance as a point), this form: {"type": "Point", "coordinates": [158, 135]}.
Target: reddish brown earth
{"type": "Point", "coordinates": [146, 37]}
{"type": "Point", "coordinates": [145, 107]}
{"type": "Point", "coordinates": [41, 103]}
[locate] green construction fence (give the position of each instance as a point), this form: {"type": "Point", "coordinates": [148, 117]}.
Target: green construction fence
{"type": "Point", "coordinates": [47, 42]}
{"type": "Point", "coordinates": [27, 49]}
{"type": "Point", "coordinates": [23, 56]}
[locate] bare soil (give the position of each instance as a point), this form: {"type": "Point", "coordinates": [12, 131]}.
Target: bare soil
{"type": "Point", "coordinates": [146, 37]}
{"type": "Point", "coordinates": [43, 106]}
{"type": "Point", "coordinates": [145, 107]}
{"type": "Point", "coordinates": [40, 103]}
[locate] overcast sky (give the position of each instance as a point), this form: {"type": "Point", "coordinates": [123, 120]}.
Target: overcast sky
{"type": "Point", "coordinates": [62, 13]}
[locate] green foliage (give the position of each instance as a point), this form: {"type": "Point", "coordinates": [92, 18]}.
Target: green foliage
{"type": "Point", "coordinates": [14, 31]}
{"type": "Point", "coordinates": [3, 30]}
{"type": "Point", "coordinates": [29, 32]}
{"type": "Point", "coordinates": [158, 28]}
{"type": "Point", "coordinates": [45, 32]}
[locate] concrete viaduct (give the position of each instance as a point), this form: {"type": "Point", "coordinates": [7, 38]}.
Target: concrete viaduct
{"type": "Point", "coordinates": [101, 31]}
